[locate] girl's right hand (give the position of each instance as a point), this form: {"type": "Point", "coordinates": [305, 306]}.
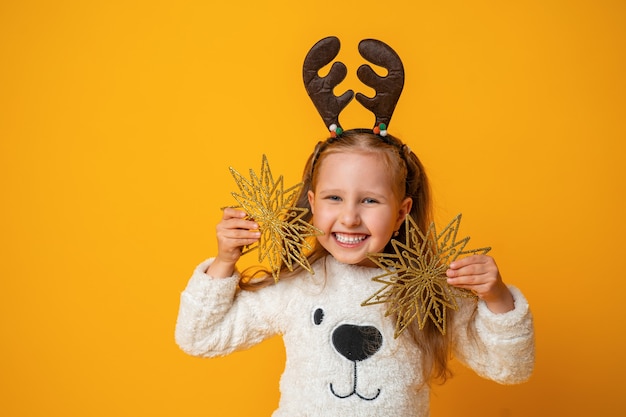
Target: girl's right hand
{"type": "Point", "coordinates": [233, 233]}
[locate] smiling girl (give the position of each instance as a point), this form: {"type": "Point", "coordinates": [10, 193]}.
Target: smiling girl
{"type": "Point", "coordinates": [343, 359]}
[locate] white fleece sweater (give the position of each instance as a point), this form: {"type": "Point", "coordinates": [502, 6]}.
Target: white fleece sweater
{"type": "Point", "coordinates": [342, 359]}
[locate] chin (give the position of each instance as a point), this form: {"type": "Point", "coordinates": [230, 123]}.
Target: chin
{"type": "Point", "coordinates": [351, 260]}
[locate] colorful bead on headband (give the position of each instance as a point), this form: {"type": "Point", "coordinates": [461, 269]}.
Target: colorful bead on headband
{"type": "Point", "coordinates": [335, 130]}
{"type": "Point", "coordinates": [320, 89]}
{"type": "Point", "coordinates": [381, 129]}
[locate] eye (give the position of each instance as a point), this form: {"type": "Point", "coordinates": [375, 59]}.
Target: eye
{"type": "Point", "coordinates": [333, 198]}
{"type": "Point", "coordinates": [318, 316]}
{"type": "Point", "coordinates": [370, 201]}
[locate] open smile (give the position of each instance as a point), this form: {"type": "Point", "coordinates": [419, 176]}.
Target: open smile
{"type": "Point", "coordinates": [349, 239]}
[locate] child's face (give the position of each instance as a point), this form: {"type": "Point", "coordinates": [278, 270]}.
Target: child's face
{"type": "Point", "coordinates": [355, 206]}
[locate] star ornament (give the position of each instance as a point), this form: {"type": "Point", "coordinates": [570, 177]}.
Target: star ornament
{"type": "Point", "coordinates": [414, 278]}
{"type": "Point", "coordinates": [283, 231]}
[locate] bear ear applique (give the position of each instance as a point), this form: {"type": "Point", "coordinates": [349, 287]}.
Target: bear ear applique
{"type": "Point", "coordinates": [320, 89]}
{"type": "Point", "coordinates": [318, 316]}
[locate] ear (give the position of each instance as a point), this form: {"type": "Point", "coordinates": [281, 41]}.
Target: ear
{"type": "Point", "coordinates": [311, 196]}
{"type": "Point", "coordinates": [403, 211]}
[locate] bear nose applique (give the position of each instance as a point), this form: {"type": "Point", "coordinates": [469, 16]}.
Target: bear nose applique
{"type": "Point", "coordinates": [357, 343]}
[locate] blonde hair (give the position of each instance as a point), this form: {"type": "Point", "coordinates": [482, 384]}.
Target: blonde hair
{"type": "Point", "coordinates": [410, 180]}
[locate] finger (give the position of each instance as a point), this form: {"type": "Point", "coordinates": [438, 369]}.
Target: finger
{"type": "Point", "coordinates": [465, 271]}
{"type": "Point", "coordinates": [475, 287]}
{"type": "Point", "coordinates": [232, 245]}
{"type": "Point", "coordinates": [236, 219]}
{"type": "Point", "coordinates": [235, 224]}
{"type": "Point", "coordinates": [480, 281]}
{"type": "Point", "coordinates": [241, 234]}
{"type": "Point", "coordinates": [233, 213]}
{"type": "Point", "coordinates": [469, 260]}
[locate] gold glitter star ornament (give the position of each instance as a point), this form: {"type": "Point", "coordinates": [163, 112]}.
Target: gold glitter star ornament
{"type": "Point", "coordinates": [415, 283]}
{"type": "Point", "coordinates": [284, 233]}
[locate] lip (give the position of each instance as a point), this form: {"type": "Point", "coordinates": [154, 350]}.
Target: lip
{"type": "Point", "coordinates": [350, 240]}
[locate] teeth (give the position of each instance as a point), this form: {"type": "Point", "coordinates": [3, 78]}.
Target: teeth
{"type": "Point", "coordinates": [349, 239]}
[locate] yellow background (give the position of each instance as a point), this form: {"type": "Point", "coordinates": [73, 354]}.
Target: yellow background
{"type": "Point", "coordinates": [119, 120]}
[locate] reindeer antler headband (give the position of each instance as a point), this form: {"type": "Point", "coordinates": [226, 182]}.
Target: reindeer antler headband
{"type": "Point", "coordinates": [320, 89]}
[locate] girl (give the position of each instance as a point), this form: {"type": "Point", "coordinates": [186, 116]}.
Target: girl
{"type": "Point", "coordinates": [343, 359]}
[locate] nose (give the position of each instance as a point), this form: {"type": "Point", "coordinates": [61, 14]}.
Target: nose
{"type": "Point", "coordinates": [350, 216]}
{"type": "Point", "coordinates": [357, 343]}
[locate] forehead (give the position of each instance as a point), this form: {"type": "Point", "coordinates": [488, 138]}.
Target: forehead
{"type": "Point", "coordinates": [354, 168]}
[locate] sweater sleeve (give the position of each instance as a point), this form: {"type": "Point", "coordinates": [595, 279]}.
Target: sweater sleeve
{"type": "Point", "coordinates": [215, 319]}
{"type": "Point", "coordinates": [503, 348]}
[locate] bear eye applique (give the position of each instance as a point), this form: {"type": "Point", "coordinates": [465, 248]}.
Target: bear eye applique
{"type": "Point", "coordinates": [318, 316]}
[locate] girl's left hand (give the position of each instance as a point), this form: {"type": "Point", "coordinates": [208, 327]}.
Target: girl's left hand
{"type": "Point", "coordinates": [480, 274]}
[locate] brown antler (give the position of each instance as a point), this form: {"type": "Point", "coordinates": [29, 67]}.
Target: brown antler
{"type": "Point", "coordinates": [389, 88]}
{"type": "Point", "coordinates": [320, 89]}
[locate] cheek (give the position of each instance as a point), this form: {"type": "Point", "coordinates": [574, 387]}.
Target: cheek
{"type": "Point", "coordinates": [323, 217]}
{"type": "Point", "coordinates": [384, 224]}
{"type": "Point", "coordinates": [381, 218]}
